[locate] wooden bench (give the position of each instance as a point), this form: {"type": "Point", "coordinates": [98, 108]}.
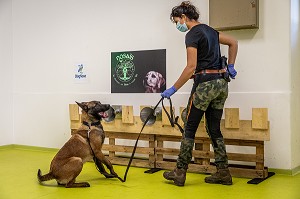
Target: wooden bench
{"type": "Point", "coordinates": [155, 152]}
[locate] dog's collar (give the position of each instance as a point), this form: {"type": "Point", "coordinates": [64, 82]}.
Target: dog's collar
{"type": "Point", "coordinates": [92, 124]}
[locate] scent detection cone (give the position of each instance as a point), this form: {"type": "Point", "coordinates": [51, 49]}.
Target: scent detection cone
{"type": "Point", "coordinates": [184, 115]}
{"type": "Point", "coordinates": [112, 113]}
{"type": "Point", "coordinates": [158, 113]}
{"type": "Point", "coordinates": [145, 112]}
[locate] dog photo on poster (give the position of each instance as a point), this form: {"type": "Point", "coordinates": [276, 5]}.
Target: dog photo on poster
{"type": "Point", "coordinates": [138, 71]}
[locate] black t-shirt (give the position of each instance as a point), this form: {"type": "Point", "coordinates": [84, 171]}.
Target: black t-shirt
{"type": "Point", "coordinates": [206, 40]}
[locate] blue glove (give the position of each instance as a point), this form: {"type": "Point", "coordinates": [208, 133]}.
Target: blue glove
{"type": "Point", "coordinates": [169, 92]}
{"type": "Point", "coordinates": [232, 72]}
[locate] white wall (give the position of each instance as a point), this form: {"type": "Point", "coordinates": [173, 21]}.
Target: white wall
{"type": "Point", "coordinates": [50, 37]}
{"type": "Point", "coordinates": [6, 97]}
{"type": "Point", "coordinates": [263, 80]}
{"type": "Point", "coordinates": [295, 82]}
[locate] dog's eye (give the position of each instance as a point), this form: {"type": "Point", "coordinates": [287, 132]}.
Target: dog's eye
{"type": "Point", "coordinates": [153, 76]}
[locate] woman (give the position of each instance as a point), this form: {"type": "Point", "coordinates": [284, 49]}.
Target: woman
{"type": "Point", "coordinates": [209, 92]}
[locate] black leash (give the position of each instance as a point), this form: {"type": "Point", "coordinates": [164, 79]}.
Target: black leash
{"type": "Point", "coordinates": [171, 119]}
{"type": "Point", "coordinates": [171, 116]}
{"type": "Point", "coordinates": [136, 142]}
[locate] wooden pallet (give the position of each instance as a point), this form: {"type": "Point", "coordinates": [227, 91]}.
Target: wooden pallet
{"type": "Point", "coordinates": [236, 132]}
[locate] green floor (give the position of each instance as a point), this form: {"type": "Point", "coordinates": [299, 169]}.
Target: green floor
{"type": "Point", "coordinates": [18, 180]}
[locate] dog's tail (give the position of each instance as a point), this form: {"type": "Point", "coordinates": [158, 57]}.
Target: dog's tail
{"type": "Point", "coordinates": [46, 177]}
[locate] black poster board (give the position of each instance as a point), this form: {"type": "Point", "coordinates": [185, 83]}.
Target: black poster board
{"type": "Point", "coordinates": [138, 71]}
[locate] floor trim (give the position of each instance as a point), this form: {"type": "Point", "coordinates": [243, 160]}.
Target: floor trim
{"type": "Point", "coordinates": [290, 172]}
{"type": "Point", "coordinates": [26, 147]}
{"type": "Point", "coordinates": [296, 170]}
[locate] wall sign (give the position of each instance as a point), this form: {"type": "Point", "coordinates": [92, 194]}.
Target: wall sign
{"type": "Point", "coordinates": [138, 71]}
{"type": "Point", "coordinates": [80, 75]}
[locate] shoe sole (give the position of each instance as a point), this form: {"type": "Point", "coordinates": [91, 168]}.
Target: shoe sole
{"type": "Point", "coordinates": [219, 182]}
{"type": "Point", "coordinates": [168, 177]}
{"type": "Point", "coordinates": [180, 184]}
{"type": "Point", "coordinates": [176, 182]}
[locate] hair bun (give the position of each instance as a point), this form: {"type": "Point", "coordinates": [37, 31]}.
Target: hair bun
{"type": "Point", "coordinates": [185, 3]}
{"type": "Point", "coordinates": [185, 8]}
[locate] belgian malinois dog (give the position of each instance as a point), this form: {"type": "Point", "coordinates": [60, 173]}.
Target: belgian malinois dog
{"type": "Point", "coordinates": [85, 144]}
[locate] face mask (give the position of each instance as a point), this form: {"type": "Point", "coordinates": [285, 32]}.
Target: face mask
{"type": "Point", "coordinates": [181, 27]}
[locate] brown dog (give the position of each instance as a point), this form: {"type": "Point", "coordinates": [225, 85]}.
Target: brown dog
{"type": "Point", "coordinates": [85, 144]}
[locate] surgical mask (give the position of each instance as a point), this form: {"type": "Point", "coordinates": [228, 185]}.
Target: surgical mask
{"type": "Point", "coordinates": [181, 27]}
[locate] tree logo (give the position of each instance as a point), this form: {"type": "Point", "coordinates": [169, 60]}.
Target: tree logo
{"type": "Point", "coordinates": [125, 69]}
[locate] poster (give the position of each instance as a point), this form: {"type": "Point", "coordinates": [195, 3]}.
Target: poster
{"type": "Point", "coordinates": [138, 71]}
{"type": "Point", "coordinates": [80, 73]}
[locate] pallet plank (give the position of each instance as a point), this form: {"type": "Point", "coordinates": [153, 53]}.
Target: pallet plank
{"type": "Point", "coordinates": [127, 115]}
{"type": "Point", "coordinates": [74, 111]}
{"type": "Point", "coordinates": [232, 118]}
{"type": "Point", "coordinates": [128, 149]}
{"type": "Point", "coordinates": [260, 118]}
{"type": "Point", "coordinates": [135, 162]}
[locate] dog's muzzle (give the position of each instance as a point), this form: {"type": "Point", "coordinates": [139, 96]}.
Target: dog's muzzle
{"type": "Point", "coordinates": [103, 114]}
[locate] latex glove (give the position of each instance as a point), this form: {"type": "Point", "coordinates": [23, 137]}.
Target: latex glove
{"type": "Point", "coordinates": [169, 92]}
{"type": "Point", "coordinates": [232, 72]}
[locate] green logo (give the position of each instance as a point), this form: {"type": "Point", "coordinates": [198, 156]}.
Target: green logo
{"type": "Point", "coordinates": [125, 69]}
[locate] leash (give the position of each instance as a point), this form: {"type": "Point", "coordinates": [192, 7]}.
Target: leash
{"type": "Point", "coordinates": [171, 116]}
{"type": "Point", "coordinates": [173, 122]}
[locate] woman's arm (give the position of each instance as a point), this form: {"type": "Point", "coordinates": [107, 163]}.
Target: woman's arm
{"type": "Point", "coordinates": [189, 69]}
{"type": "Point", "coordinates": [232, 46]}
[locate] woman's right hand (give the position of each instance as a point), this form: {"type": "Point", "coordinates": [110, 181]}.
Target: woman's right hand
{"type": "Point", "coordinates": [169, 92]}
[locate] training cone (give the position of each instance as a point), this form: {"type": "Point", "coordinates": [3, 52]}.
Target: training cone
{"type": "Point", "coordinates": [115, 111]}
{"type": "Point", "coordinates": [183, 115]}
{"type": "Point", "coordinates": [144, 114]}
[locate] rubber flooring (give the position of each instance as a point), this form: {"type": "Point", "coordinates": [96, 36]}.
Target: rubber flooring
{"type": "Point", "coordinates": [19, 168]}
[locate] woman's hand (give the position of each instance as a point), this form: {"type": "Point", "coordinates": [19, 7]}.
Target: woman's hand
{"type": "Point", "coordinates": [232, 72]}
{"type": "Point", "coordinates": [169, 92]}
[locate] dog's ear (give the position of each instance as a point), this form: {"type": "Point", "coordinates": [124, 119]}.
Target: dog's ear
{"type": "Point", "coordinates": [161, 81]}
{"type": "Point", "coordinates": [83, 106]}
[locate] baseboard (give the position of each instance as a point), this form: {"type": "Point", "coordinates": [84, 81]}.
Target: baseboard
{"type": "Point", "coordinates": [281, 171]}
{"type": "Point", "coordinates": [290, 172]}
{"type": "Point", "coordinates": [296, 170]}
{"type": "Point", "coordinates": [9, 146]}
{"type": "Point", "coordinates": [26, 147]}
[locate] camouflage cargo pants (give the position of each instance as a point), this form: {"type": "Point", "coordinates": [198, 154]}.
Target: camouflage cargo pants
{"type": "Point", "coordinates": [211, 93]}
{"type": "Point", "coordinates": [209, 98]}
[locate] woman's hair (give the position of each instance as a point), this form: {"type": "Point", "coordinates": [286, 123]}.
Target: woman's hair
{"type": "Point", "coordinates": [185, 8]}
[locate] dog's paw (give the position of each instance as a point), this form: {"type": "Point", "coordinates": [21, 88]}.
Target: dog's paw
{"type": "Point", "coordinates": [78, 184]}
{"type": "Point", "coordinates": [109, 175]}
{"type": "Point", "coordinates": [86, 184]}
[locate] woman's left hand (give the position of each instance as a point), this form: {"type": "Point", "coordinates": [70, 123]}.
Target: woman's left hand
{"type": "Point", "coordinates": [232, 71]}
